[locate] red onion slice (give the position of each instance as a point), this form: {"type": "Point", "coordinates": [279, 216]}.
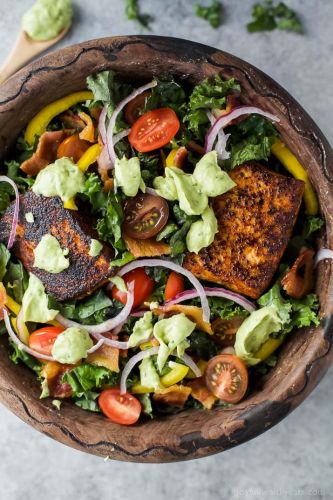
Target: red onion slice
{"type": "Point", "coordinates": [132, 362]}
{"type": "Point", "coordinates": [118, 137]}
{"type": "Point", "coordinates": [107, 325]}
{"type": "Point", "coordinates": [191, 364]}
{"type": "Point", "coordinates": [322, 254]}
{"type": "Point", "coordinates": [19, 343]}
{"type": "Point", "coordinates": [222, 139]}
{"type": "Point", "coordinates": [101, 124]}
{"type": "Point", "coordinates": [4, 178]}
{"type": "Point", "coordinates": [174, 267]}
{"type": "Point", "coordinates": [214, 292]}
{"type": "Point", "coordinates": [96, 346]}
{"type": "Point", "coordinates": [117, 110]}
{"type": "Point", "coordinates": [224, 120]}
{"type": "Point", "coordinates": [151, 191]}
{"type": "Point", "coordinates": [117, 344]}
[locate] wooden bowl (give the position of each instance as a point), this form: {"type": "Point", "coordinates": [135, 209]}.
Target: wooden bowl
{"type": "Point", "coordinates": [305, 356]}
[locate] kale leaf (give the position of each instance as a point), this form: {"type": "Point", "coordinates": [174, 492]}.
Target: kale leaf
{"type": "Point", "coordinates": [167, 94]}
{"type": "Point", "coordinates": [21, 356]}
{"type": "Point", "coordinates": [210, 93]}
{"type": "Point", "coordinates": [268, 16]}
{"type": "Point", "coordinates": [250, 139]}
{"type": "Point", "coordinates": [202, 345]}
{"type": "Point", "coordinates": [211, 13]}
{"type": "Point", "coordinates": [133, 13]}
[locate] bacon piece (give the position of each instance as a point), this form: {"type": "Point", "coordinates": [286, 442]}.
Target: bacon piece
{"type": "Point", "coordinates": [194, 313]}
{"type": "Point", "coordinates": [72, 120]}
{"type": "Point", "coordinates": [180, 157]}
{"type": "Point", "coordinates": [146, 248]}
{"type": "Point", "coordinates": [88, 133]}
{"type": "Point", "coordinates": [45, 153]}
{"type": "Point", "coordinates": [175, 395]}
{"type": "Point", "coordinates": [106, 356]}
{"type": "Point", "coordinates": [299, 280]}
{"type": "Point", "coordinates": [53, 372]}
{"type": "Point", "coordinates": [201, 393]}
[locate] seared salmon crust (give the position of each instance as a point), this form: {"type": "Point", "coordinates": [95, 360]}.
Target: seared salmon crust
{"type": "Point", "coordinates": [255, 222]}
{"type": "Point", "coordinates": [85, 273]}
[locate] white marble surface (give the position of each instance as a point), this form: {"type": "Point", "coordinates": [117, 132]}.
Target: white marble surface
{"type": "Point", "coordinates": [295, 458]}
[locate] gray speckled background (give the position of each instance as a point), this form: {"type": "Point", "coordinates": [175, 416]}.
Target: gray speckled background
{"type": "Point", "coordinates": [295, 458]}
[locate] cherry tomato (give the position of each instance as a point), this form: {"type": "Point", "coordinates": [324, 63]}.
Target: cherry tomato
{"type": "Point", "coordinates": [134, 108]}
{"type": "Point", "coordinates": [174, 286]}
{"type": "Point", "coordinates": [225, 330]}
{"type": "Point", "coordinates": [143, 287]}
{"type": "Point", "coordinates": [227, 377]}
{"type": "Point", "coordinates": [42, 340]}
{"type": "Point", "coordinates": [154, 129]}
{"type": "Point", "coordinates": [72, 147]}
{"type": "Point", "coordinates": [145, 216]}
{"type": "Point", "coordinates": [122, 409]}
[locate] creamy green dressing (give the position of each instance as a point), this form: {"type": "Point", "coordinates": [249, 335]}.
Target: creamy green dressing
{"type": "Point", "coordinates": [50, 256]}
{"type": "Point", "coordinates": [62, 178]}
{"type": "Point", "coordinates": [71, 345]}
{"type": "Point", "coordinates": [254, 331]}
{"type": "Point", "coordinates": [148, 375]}
{"type": "Point", "coordinates": [202, 232]}
{"type": "Point", "coordinates": [95, 248]}
{"type": "Point", "coordinates": [142, 330]}
{"type": "Point", "coordinates": [35, 302]}
{"type": "Point", "coordinates": [127, 175]}
{"type": "Point", "coordinates": [47, 18]}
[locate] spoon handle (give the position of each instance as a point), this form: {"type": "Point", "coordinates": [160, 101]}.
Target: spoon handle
{"type": "Point", "coordinates": [20, 54]}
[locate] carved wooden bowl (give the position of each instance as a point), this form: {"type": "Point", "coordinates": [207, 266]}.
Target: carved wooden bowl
{"type": "Point", "coordinates": [306, 355]}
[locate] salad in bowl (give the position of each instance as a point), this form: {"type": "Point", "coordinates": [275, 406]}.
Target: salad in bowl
{"type": "Point", "coordinates": [157, 246]}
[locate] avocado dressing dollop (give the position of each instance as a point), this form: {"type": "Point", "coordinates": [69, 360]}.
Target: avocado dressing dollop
{"type": "Point", "coordinates": [50, 256]}
{"type": "Point", "coordinates": [62, 178]}
{"type": "Point", "coordinates": [47, 18]}
{"type": "Point", "coordinates": [71, 345]}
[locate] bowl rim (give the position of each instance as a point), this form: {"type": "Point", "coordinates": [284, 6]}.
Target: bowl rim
{"type": "Point", "coordinates": [229, 427]}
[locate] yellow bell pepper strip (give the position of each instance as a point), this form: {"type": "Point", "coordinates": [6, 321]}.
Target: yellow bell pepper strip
{"type": "Point", "coordinates": [169, 161]}
{"type": "Point", "coordinates": [88, 158]}
{"type": "Point", "coordinates": [40, 121]}
{"type": "Point", "coordinates": [13, 306]}
{"type": "Point", "coordinates": [290, 162]}
{"type": "Point", "coordinates": [140, 389]}
{"type": "Point", "coordinates": [268, 348]}
{"type": "Point", "coordinates": [177, 373]}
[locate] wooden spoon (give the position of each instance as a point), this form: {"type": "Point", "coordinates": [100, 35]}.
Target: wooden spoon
{"type": "Point", "coordinates": [25, 49]}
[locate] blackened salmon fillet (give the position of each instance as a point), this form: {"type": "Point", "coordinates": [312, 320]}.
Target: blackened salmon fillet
{"type": "Point", "coordinates": [255, 222]}
{"type": "Point", "coordinates": [73, 231]}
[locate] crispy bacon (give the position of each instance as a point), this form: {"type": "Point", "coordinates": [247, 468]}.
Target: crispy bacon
{"type": "Point", "coordinates": [45, 153]}
{"type": "Point", "coordinates": [194, 313]}
{"type": "Point", "coordinates": [180, 157]}
{"type": "Point", "coordinates": [53, 372]}
{"type": "Point", "coordinates": [72, 120]}
{"type": "Point", "coordinates": [146, 248]}
{"type": "Point", "coordinates": [175, 395]}
{"type": "Point", "coordinates": [201, 393]}
{"type": "Point", "coordinates": [88, 133]}
{"type": "Point", "coordinates": [106, 356]}
{"type": "Point", "coordinates": [299, 280]}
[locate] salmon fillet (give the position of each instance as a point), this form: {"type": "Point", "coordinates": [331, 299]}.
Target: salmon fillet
{"type": "Point", "coordinates": [255, 222]}
{"type": "Point", "coordinates": [72, 230]}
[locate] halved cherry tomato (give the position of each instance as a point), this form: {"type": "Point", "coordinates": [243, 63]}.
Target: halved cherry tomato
{"type": "Point", "coordinates": [122, 409]}
{"type": "Point", "coordinates": [154, 129]}
{"type": "Point", "coordinates": [174, 285]}
{"type": "Point", "coordinates": [225, 330]}
{"type": "Point", "coordinates": [143, 287]}
{"type": "Point", "coordinates": [134, 108]}
{"type": "Point", "coordinates": [42, 340]}
{"type": "Point", "coordinates": [145, 216]}
{"type": "Point", "coordinates": [227, 377]}
{"type": "Point", "coordinates": [72, 147]}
